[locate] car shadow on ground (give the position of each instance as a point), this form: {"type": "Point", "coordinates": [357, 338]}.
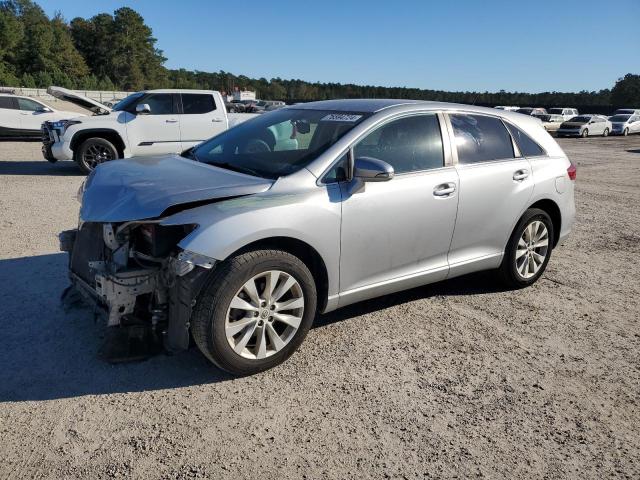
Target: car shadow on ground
{"type": "Point", "coordinates": [47, 353]}
{"type": "Point", "coordinates": [39, 167]}
{"type": "Point", "coordinates": [634, 151]}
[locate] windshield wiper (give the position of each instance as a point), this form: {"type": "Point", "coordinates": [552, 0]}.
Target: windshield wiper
{"type": "Point", "coordinates": [235, 168]}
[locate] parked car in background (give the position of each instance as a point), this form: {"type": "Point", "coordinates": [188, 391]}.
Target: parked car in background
{"type": "Point", "coordinates": [310, 208]}
{"type": "Point", "coordinates": [584, 126]}
{"type": "Point", "coordinates": [627, 111]}
{"type": "Point", "coordinates": [551, 123]}
{"type": "Point", "coordinates": [567, 113]}
{"type": "Point", "coordinates": [22, 117]}
{"type": "Point", "coordinates": [532, 111]}
{"type": "Point", "coordinates": [145, 123]}
{"type": "Point", "coordinates": [622, 124]}
{"type": "Point", "coordinates": [509, 109]}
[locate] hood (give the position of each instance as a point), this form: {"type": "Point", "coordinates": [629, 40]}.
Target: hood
{"type": "Point", "coordinates": [77, 99]}
{"type": "Point", "coordinates": [143, 188]}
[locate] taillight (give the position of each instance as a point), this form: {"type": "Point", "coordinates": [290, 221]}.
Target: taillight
{"type": "Point", "coordinates": [571, 171]}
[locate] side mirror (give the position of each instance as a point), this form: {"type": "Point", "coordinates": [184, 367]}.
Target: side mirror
{"type": "Point", "coordinates": [43, 110]}
{"type": "Point", "coordinates": [369, 169]}
{"type": "Point", "coordinates": [143, 109]}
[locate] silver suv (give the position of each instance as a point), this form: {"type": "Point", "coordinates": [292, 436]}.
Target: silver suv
{"type": "Point", "coordinates": [243, 239]}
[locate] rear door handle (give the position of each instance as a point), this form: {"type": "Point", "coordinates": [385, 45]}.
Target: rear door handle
{"type": "Point", "coordinates": [520, 175]}
{"type": "Point", "coordinates": [171, 120]}
{"type": "Point", "coordinates": [217, 120]}
{"type": "Point", "coordinates": [444, 189]}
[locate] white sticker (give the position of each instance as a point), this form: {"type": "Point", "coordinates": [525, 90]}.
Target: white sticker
{"type": "Point", "coordinates": [341, 117]}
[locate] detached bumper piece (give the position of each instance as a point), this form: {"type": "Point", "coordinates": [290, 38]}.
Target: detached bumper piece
{"type": "Point", "coordinates": [48, 139]}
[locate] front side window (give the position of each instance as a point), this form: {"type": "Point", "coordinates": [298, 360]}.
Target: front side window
{"type": "Point", "coordinates": [160, 103]}
{"type": "Point", "coordinates": [28, 105]}
{"type": "Point", "coordinates": [127, 103]}
{"type": "Point", "coordinates": [197, 103]}
{"type": "Point", "coordinates": [408, 144]}
{"type": "Point", "coordinates": [527, 146]}
{"type": "Point", "coordinates": [480, 138]}
{"type": "Point", "coordinates": [277, 143]}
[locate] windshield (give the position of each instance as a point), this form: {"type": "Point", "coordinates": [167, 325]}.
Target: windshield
{"type": "Point", "coordinates": [620, 118]}
{"type": "Point", "coordinates": [127, 102]}
{"type": "Point", "coordinates": [277, 143]}
{"type": "Point", "coordinates": [580, 119]}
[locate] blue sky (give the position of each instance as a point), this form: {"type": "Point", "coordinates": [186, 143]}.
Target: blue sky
{"type": "Point", "coordinates": [523, 45]}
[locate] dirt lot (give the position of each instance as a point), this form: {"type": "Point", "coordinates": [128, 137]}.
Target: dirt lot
{"type": "Point", "coordinates": [458, 379]}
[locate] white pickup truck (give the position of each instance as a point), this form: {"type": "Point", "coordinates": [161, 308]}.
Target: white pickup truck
{"type": "Point", "coordinates": [151, 122]}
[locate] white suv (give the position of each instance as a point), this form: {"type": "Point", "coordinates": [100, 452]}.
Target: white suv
{"type": "Point", "coordinates": [145, 123]}
{"type": "Point", "coordinates": [567, 113]}
{"type": "Point", "coordinates": [22, 117]}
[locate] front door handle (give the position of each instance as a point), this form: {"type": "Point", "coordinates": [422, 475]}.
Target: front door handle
{"type": "Point", "coordinates": [444, 189]}
{"type": "Point", "coordinates": [520, 175]}
{"type": "Point", "coordinates": [171, 120]}
{"type": "Point", "coordinates": [217, 120]}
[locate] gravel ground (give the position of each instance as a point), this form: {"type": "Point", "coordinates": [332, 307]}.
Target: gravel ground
{"type": "Point", "coordinates": [471, 381]}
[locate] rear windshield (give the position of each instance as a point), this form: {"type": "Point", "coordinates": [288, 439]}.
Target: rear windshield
{"type": "Point", "coordinates": [620, 118]}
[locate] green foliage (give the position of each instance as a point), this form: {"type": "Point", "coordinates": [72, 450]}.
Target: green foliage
{"type": "Point", "coordinates": [626, 91]}
{"type": "Point", "coordinates": [118, 52]}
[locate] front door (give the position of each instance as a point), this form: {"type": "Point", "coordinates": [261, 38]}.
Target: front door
{"type": "Point", "coordinates": [33, 114]}
{"type": "Point", "coordinates": [156, 132]}
{"type": "Point", "coordinates": [396, 234]}
{"type": "Point", "coordinates": [495, 188]}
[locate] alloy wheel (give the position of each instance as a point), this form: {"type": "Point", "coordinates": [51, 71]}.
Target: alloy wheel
{"type": "Point", "coordinates": [96, 154]}
{"type": "Point", "coordinates": [264, 315]}
{"type": "Point", "coordinates": [532, 250]}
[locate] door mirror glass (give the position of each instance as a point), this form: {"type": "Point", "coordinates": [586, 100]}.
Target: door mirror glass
{"type": "Point", "coordinates": [43, 109]}
{"type": "Point", "coordinates": [143, 109]}
{"type": "Point", "coordinates": [369, 169]}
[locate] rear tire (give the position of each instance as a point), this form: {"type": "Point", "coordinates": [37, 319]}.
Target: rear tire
{"type": "Point", "coordinates": [585, 133]}
{"type": "Point", "coordinates": [528, 250]}
{"type": "Point", "coordinates": [94, 151]}
{"type": "Point", "coordinates": [268, 336]}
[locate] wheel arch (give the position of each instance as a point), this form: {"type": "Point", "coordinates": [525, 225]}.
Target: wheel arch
{"type": "Point", "coordinates": [553, 210]}
{"type": "Point", "coordinates": [302, 250]}
{"type": "Point", "coordinates": [106, 133]}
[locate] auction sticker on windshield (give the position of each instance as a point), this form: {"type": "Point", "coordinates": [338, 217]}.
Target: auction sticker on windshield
{"type": "Point", "coordinates": [341, 117]}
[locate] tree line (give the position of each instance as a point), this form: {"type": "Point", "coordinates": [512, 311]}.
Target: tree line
{"type": "Point", "coordinates": [118, 52]}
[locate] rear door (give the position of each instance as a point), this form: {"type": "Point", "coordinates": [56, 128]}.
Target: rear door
{"type": "Point", "coordinates": [157, 132]}
{"type": "Point", "coordinates": [201, 118]}
{"type": "Point", "coordinates": [495, 187]}
{"type": "Point", "coordinates": [9, 117]}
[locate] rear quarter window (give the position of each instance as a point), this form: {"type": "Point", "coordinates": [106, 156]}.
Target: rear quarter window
{"type": "Point", "coordinates": [527, 146]}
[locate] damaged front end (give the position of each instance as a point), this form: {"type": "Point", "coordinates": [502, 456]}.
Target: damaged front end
{"type": "Point", "coordinates": [136, 276]}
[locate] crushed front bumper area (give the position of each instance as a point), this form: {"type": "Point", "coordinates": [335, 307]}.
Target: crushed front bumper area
{"type": "Point", "coordinates": [159, 295]}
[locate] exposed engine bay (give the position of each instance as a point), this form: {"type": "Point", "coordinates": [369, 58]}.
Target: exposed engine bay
{"type": "Point", "coordinates": [134, 274]}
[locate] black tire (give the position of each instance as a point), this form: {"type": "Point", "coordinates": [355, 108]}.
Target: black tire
{"type": "Point", "coordinates": [210, 313]}
{"type": "Point", "coordinates": [508, 271]}
{"type": "Point", "coordinates": [94, 151]}
{"type": "Point", "coordinates": [585, 133]}
{"type": "Point", "coordinates": [605, 133]}
{"type": "Point", "coordinates": [625, 132]}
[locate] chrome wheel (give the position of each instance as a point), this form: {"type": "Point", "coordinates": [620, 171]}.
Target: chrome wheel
{"type": "Point", "coordinates": [96, 154]}
{"type": "Point", "coordinates": [264, 315]}
{"type": "Point", "coordinates": [532, 250]}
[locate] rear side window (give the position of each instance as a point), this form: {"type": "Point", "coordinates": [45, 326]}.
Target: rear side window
{"type": "Point", "coordinates": [408, 144]}
{"type": "Point", "coordinates": [197, 103]}
{"type": "Point", "coordinates": [6, 102]}
{"type": "Point", "coordinates": [527, 146]}
{"type": "Point", "coordinates": [481, 139]}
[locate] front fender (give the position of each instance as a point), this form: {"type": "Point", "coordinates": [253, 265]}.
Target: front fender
{"type": "Point", "coordinates": [227, 226]}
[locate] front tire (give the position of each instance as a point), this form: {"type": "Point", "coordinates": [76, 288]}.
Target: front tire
{"type": "Point", "coordinates": [94, 151]}
{"type": "Point", "coordinates": [528, 250]}
{"type": "Point", "coordinates": [585, 133]}
{"type": "Point", "coordinates": [625, 132]}
{"type": "Point", "coordinates": [605, 133]}
{"type": "Point", "coordinates": [255, 311]}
